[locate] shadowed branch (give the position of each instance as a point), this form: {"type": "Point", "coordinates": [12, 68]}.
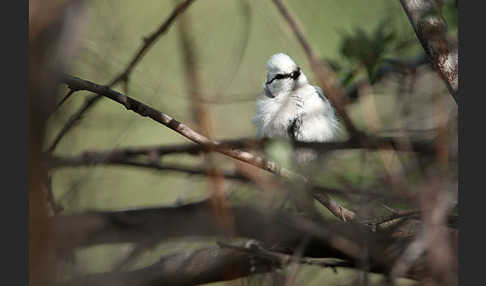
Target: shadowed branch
{"type": "Point", "coordinates": [279, 232]}
{"type": "Point", "coordinates": [431, 30]}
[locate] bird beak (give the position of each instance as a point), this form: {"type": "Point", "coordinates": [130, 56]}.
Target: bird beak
{"type": "Point", "coordinates": [268, 93]}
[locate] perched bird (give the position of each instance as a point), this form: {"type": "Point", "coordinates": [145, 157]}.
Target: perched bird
{"type": "Point", "coordinates": [292, 108]}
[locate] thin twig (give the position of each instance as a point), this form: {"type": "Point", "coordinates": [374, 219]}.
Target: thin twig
{"type": "Point", "coordinates": [70, 92]}
{"type": "Point", "coordinates": [72, 121]}
{"type": "Point", "coordinates": [60, 162]}
{"type": "Point", "coordinates": [148, 42]}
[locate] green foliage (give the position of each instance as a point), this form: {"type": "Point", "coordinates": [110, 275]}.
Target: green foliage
{"type": "Point", "coordinates": [368, 49]}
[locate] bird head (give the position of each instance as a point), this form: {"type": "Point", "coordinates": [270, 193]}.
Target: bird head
{"type": "Point", "coordinates": [283, 75]}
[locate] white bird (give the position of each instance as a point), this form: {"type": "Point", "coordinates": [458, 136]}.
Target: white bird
{"type": "Point", "coordinates": [291, 108]}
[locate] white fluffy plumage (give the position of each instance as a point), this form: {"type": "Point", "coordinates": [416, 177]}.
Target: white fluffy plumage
{"type": "Point", "coordinates": [292, 108]}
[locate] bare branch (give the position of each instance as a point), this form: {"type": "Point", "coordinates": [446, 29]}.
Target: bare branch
{"type": "Point", "coordinates": [157, 151]}
{"type": "Point", "coordinates": [148, 42]}
{"type": "Point", "coordinates": [72, 121]}
{"type": "Point", "coordinates": [431, 30]}
{"type": "Point", "coordinates": [191, 267]}
{"type": "Point", "coordinates": [335, 208]}
{"type": "Point", "coordinates": [278, 231]}
{"type": "Point", "coordinates": [147, 111]}
{"type": "Point", "coordinates": [423, 147]}
{"type": "Point", "coordinates": [92, 159]}
{"type": "Point", "coordinates": [68, 95]}
{"type": "Point", "coordinates": [276, 228]}
{"type": "Point", "coordinates": [257, 161]}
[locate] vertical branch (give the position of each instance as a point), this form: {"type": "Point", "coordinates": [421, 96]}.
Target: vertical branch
{"type": "Point", "coordinates": [54, 28]}
{"type": "Point", "coordinates": [431, 30]}
{"type": "Point", "coordinates": [202, 117]}
{"type": "Point", "coordinates": [324, 74]}
{"type": "Point", "coordinates": [392, 164]}
{"type": "Point", "coordinates": [55, 207]}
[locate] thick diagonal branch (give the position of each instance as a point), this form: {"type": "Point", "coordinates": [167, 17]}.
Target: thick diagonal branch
{"type": "Point", "coordinates": [431, 30]}
{"type": "Point", "coordinates": [279, 231]}
{"type": "Point", "coordinates": [189, 267]}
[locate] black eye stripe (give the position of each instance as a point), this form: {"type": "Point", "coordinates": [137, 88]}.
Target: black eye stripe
{"type": "Point", "coordinates": [293, 75]}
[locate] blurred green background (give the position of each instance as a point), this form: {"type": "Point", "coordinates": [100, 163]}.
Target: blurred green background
{"type": "Point", "coordinates": [234, 40]}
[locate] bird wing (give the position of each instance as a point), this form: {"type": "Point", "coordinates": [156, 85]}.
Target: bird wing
{"type": "Point", "coordinates": [321, 95]}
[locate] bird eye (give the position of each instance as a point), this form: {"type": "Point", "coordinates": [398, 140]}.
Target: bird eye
{"type": "Point", "coordinates": [295, 74]}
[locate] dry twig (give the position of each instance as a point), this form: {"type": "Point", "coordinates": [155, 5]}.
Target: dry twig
{"type": "Point", "coordinates": [148, 42]}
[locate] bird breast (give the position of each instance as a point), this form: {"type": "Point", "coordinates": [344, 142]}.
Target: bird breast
{"type": "Point", "coordinates": [316, 119]}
